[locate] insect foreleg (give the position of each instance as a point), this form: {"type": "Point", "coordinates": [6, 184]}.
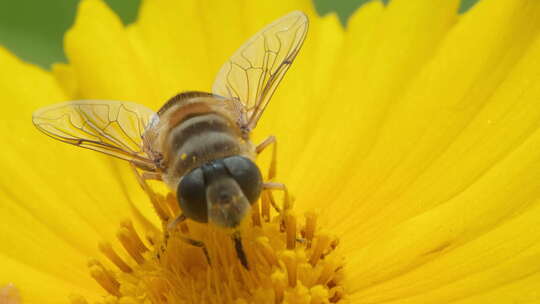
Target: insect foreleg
{"type": "Point", "coordinates": [269, 186]}
{"type": "Point", "coordinates": [237, 240]}
{"type": "Point", "coordinates": [270, 140]}
{"type": "Point", "coordinates": [171, 228]}
{"type": "Point", "coordinates": [145, 176]}
{"type": "Point", "coordinates": [142, 178]}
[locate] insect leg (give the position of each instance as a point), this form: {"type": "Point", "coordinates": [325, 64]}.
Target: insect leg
{"type": "Point", "coordinates": [142, 178]}
{"type": "Point", "coordinates": [177, 221]}
{"type": "Point", "coordinates": [196, 243]}
{"type": "Point", "coordinates": [171, 227]}
{"type": "Point", "coordinates": [151, 176]}
{"type": "Point", "coordinates": [237, 239]}
{"type": "Point", "coordinates": [281, 187]}
{"type": "Point", "coordinates": [270, 140]}
{"type": "Point", "coordinates": [145, 176]}
{"type": "Point", "coordinates": [269, 186]}
{"type": "Point", "coordinates": [143, 165]}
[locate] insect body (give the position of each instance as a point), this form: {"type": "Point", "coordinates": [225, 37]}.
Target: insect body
{"type": "Point", "coordinates": [197, 143]}
{"type": "Point", "coordinates": [207, 159]}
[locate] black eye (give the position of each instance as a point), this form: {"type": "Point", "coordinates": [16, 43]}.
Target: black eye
{"type": "Point", "coordinates": [191, 195]}
{"type": "Point", "coordinates": [246, 174]}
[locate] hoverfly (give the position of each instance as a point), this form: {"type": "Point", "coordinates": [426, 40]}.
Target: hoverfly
{"type": "Point", "coordinates": [197, 143]}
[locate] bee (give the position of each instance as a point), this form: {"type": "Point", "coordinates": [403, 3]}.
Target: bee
{"type": "Point", "coordinates": [197, 143]}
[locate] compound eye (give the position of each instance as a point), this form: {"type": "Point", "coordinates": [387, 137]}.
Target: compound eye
{"type": "Point", "coordinates": [191, 194]}
{"type": "Point", "coordinates": [246, 174]}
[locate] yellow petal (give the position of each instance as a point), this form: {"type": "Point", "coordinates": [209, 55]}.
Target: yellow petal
{"type": "Point", "coordinates": [67, 79]}
{"type": "Point", "coordinates": [58, 210]}
{"type": "Point", "coordinates": [371, 76]}
{"type": "Point", "coordinates": [183, 59]}
{"type": "Point", "coordinates": [24, 233]}
{"type": "Point", "coordinates": [103, 59]}
{"type": "Point", "coordinates": [500, 262]}
{"type": "Point", "coordinates": [299, 99]}
{"type": "Point", "coordinates": [35, 286]}
{"type": "Point", "coordinates": [24, 87]}
{"type": "Point", "coordinates": [437, 140]}
{"type": "Point", "coordinates": [469, 149]}
{"type": "Point", "coordinates": [177, 56]}
{"type": "Point", "coordinates": [424, 154]}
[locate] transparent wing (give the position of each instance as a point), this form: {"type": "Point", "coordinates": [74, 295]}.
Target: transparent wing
{"type": "Point", "coordinates": [255, 70]}
{"type": "Point", "coordinates": [110, 127]}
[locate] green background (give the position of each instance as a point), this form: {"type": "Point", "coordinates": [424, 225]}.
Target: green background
{"type": "Point", "coordinates": [33, 29]}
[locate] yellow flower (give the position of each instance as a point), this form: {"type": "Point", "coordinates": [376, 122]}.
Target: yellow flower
{"type": "Point", "coordinates": [413, 134]}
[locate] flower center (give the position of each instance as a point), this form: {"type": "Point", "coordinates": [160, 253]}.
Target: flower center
{"type": "Point", "coordinates": [290, 260]}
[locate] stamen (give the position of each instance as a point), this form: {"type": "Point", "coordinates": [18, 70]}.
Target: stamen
{"type": "Point", "coordinates": [336, 294]}
{"type": "Point", "coordinates": [289, 259]}
{"type": "Point", "coordinates": [256, 215]}
{"type": "Point", "coordinates": [334, 242]}
{"type": "Point", "coordinates": [305, 273]}
{"type": "Point", "coordinates": [124, 236]}
{"type": "Point", "coordinates": [326, 272]}
{"type": "Point", "coordinates": [164, 204]}
{"type": "Point", "coordinates": [321, 244]}
{"type": "Point", "coordinates": [267, 251]}
{"type": "Point", "coordinates": [318, 294]}
{"type": "Point", "coordinates": [109, 252]}
{"type": "Point", "coordinates": [265, 206]}
{"type": "Point", "coordinates": [290, 224]}
{"type": "Point", "coordinates": [134, 236]}
{"type": "Point", "coordinates": [157, 290]}
{"type": "Point", "coordinates": [152, 238]}
{"type": "Point", "coordinates": [172, 267]}
{"type": "Point", "coordinates": [279, 284]}
{"type": "Point", "coordinates": [158, 207]}
{"type": "Point", "coordinates": [172, 203]}
{"type": "Point", "coordinates": [104, 278]}
{"type": "Point", "coordinates": [309, 230]}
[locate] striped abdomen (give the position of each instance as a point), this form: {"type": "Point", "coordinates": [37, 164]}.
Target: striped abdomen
{"type": "Point", "coordinates": [199, 139]}
{"type": "Point", "coordinates": [195, 128]}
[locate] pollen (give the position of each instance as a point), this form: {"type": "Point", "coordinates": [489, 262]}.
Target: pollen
{"type": "Point", "coordinates": [290, 260]}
